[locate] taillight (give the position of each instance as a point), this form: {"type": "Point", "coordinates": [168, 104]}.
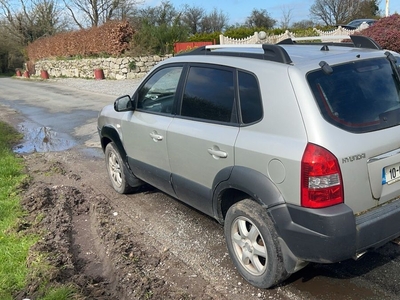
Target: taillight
{"type": "Point", "coordinates": [321, 180]}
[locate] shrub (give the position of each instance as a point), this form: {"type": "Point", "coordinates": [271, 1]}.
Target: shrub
{"type": "Point", "coordinates": [111, 38]}
{"type": "Point", "coordinates": [240, 32]}
{"type": "Point", "coordinates": [386, 32]}
{"type": "Point", "coordinates": [204, 37]}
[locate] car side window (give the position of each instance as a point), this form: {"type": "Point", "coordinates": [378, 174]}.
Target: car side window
{"type": "Point", "coordinates": [158, 93]}
{"type": "Point", "coordinates": [250, 98]}
{"type": "Point", "coordinates": [209, 94]}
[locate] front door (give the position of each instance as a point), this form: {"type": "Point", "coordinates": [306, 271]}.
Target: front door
{"type": "Point", "coordinates": [145, 129]}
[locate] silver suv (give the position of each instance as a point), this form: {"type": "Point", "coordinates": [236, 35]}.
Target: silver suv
{"type": "Point", "coordinates": [294, 148]}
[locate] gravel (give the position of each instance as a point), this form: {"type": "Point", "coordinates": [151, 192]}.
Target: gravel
{"type": "Point", "coordinates": [108, 87]}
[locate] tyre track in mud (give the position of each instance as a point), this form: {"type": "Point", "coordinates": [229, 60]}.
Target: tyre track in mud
{"type": "Point", "coordinates": [122, 251]}
{"type": "Point", "coordinates": [192, 247]}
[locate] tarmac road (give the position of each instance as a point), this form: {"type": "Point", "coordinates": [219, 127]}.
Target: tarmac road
{"type": "Point", "coordinates": [69, 112]}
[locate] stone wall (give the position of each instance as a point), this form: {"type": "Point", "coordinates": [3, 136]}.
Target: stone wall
{"type": "Point", "coordinates": [113, 68]}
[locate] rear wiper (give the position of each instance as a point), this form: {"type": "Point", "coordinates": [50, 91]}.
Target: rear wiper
{"type": "Point", "coordinates": [391, 116]}
{"type": "Point", "coordinates": [393, 63]}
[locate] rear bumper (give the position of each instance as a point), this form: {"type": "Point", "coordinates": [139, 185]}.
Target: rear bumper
{"type": "Point", "coordinates": [334, 234]}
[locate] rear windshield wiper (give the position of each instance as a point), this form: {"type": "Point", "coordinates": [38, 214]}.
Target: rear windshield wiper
{"type": "Point", "coordinates": [391, 116]}
{"type": "Point", "coordinates": [393, 63]}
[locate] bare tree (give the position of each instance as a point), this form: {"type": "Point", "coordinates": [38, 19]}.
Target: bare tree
{"type": "Point", "coordinates": [163, 14]}
{"type": "Point", "coordinates": [216, 21]}
{"type": "Point", "coordinates": [333, 12]}
{"type": "Point", "coordinates": [192, 17]}
{"type": "Point", "coordinates": [286, 17]}
{"type": "Point", "coordinates": [89, 13]}
{"type": "Point", "coordinates": [33, 20]}
{"type": "Point", "coordinates": [260, 18]}
{"type": "Point", "coordinates": [158, 28]}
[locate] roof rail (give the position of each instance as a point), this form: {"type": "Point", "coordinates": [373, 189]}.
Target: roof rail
{"type": "Point", "coordinates": [276, 53]}
{"type": "Point", "coordinates": [359, 41]}
{"type": "Point", "coordinates": [271, 52]}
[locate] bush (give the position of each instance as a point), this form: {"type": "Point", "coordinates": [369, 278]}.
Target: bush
{"type": "Point", "coordinates": [304, 32]}
{"type": "Point", "coordinates": [240, 32]}
{"type": "Point", "coordinates": [111, 38]}
{"type": "Point", "coordinates": [386, 32]}
{"type": "Point", "coordinates": [205, 37]}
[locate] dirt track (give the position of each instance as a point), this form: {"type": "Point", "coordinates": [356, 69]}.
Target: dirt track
{"type": "Point", "coordinates": [110, 253]}
{"type": "Point", "coordinates": [87, 241]}
{"type": "Point", "coordinates": [140, 246]}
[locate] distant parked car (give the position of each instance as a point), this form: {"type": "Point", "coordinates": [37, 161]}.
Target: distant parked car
{"type": "Point", "coordinates": [357, 23]}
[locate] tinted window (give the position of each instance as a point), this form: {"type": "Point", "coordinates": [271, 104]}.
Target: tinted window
{"type": "Point", "coordinates": [358, 97]}
{"type": "Point", "coordinates": [250, 98]}
{"type": "Point", "coordinates": [157, 94]}
{"type": "Point", "coordinates": [208, 94]}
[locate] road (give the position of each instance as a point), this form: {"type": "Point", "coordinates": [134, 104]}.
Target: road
{"type": "Point", "coordinates": [195, 240]}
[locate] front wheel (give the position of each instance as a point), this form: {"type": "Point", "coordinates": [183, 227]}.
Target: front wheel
{"type": "Point", "coordinates": [116, 169]}
{"type": "Point", "coordinates": [253, 244]}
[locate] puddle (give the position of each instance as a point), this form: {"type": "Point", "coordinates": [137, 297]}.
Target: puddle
{"type": "Point", "coordinates": [42, 139]}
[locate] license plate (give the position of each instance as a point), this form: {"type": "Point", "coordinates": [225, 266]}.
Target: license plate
{"type": "Point", "coordinates": [391, 174]}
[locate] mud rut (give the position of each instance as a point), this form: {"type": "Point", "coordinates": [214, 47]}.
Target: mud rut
{"type": "Point", "coordinates": [88, 247]}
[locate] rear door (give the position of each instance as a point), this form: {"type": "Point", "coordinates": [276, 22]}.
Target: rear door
{"type": "Point", "coordinates": [201, 140]}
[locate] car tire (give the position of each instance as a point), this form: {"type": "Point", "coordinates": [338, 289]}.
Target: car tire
{"type": "Point", "coordinates": [253, 244]}
{"type": "Point", "coordinates": [117, 170]}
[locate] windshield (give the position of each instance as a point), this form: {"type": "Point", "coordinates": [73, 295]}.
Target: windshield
{"type": "Point", "coordinates": [355, 23]}
{"type": "Point", "coordinates": [358, 97]}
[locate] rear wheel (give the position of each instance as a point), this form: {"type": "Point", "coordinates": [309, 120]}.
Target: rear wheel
{"type": "Point", "coordinates": [253, 244]}
{"type": "Point", "coordinates": [116, 169]}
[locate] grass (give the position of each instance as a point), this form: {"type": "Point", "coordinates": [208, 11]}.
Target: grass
{"type": "Point", "coordinates": [15, 245]}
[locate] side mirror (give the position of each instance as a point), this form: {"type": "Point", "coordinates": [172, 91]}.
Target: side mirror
{"type": "Point", "coordinates": [123, 103]}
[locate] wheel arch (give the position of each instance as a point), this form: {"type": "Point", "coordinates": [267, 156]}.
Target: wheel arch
{"type": "Point", "coordinates": [243, 183]}
{"type": "Point", "coordinates": [110, 134]}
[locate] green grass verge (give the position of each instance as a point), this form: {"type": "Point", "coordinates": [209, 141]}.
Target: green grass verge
{"type": "Point", "coordinates": [15, 245]}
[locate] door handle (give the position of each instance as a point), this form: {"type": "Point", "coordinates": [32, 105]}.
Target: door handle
{"type": "Point", "coordinates": [156, 137]}
{"type": "Point", "coordinates": [217, 153]}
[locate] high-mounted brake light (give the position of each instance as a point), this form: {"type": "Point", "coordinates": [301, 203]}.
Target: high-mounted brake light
{"type": "Point", "coordinates": [321, 179]}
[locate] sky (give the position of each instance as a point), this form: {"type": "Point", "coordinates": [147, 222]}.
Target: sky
{"type": "Point", "coordinates": [238, 10]}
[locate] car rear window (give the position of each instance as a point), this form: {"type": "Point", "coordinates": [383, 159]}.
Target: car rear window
{"type": "Point", "coordinates": [360, 96]}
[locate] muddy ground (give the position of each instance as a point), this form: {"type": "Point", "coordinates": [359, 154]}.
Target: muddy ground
{"type": "Point", "coordinates": [89, 245]}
